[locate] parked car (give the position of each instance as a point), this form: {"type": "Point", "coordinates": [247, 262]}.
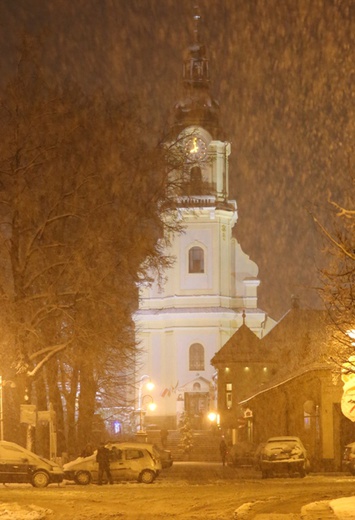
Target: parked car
{"type": "Point", "coordinates": [349, 457]}
{"type": "Point", "coordinates": [23, 466]}
{"type": "Point", "coordinates": [165, 457]}
{"type": "Point", "coordinates": [284, 455]}
{"type": "Point", "coordinates": [257, 455]}
{"type": "Point", "coordinates": [128, 461]}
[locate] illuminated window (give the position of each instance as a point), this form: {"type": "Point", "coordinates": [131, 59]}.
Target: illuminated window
{"type": "Point", "coordinates": [228, 393]}
{"type": "Point", "coordinates": [196, 260]}
{"type": "Point", "coordinates": [196, 357]}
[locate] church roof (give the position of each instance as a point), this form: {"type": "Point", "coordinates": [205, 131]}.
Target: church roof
{"type": "Point", "coordinates": [297, 343]}
{"type": "Point", "coordinates": [243, 346]}
{"type": "Point", "coordinates": [296, 340]}
{"type": "Point", "coordinates": [296, 327]}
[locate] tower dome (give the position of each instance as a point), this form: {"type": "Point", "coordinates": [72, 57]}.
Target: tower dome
{"type": "Point", "coordinates": [196, 106]}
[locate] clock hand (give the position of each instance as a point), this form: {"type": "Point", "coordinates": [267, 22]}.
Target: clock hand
{"type": "Point", "coordinates": [195, 147]}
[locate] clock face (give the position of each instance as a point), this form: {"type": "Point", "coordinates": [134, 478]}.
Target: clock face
{"type": "Point", "coordinates": [195, 149]}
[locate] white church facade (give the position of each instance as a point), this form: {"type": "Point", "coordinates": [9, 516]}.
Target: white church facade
{"type": "Point", "coordinates": [211, 289]}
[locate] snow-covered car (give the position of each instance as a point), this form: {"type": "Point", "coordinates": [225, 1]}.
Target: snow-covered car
{"type": "Point", "coordinates": [23, 466]}
{"type": "Point", "coordinates": [128, 461]}
{"type": "Point", "coordinates": [284, 455]}
{"type": "Point", "coordinates": [349, 457]}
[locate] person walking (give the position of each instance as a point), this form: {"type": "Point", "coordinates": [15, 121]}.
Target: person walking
{"type": "Point", "coordinates": [223, 449]}
{"type": "Point", "coordinates": [164, 437]}
{"type": "Point", "coordinates": [103, 459]}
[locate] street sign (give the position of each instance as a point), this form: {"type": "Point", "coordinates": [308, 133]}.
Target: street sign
{"type": "Point", "coordinates": [28, 414]}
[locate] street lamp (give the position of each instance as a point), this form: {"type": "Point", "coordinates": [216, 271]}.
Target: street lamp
{"type": "Point", "coordinates": [149, 385]}
{"type": "Point", "coordinates": [151, 406]}
{"type": "Point", "coordinates": [214, 419]}
{"type": "Point", "coordinates": [2, 384]}
{"type": "Point", "coordinates": [212, 416]}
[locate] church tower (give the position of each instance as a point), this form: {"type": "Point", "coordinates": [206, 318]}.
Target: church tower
{"type": "Point", "coordinates": [211, 289]}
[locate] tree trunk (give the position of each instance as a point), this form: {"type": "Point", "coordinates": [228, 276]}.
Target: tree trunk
{"type": "Point", "coordinates": [86, 402]}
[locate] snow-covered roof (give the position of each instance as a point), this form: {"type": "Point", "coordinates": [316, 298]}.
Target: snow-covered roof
{"type": "Point", "coordinates": [275, 383]}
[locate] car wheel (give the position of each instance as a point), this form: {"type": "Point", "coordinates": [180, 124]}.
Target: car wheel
{"type": "Point", "coordinates": [264, 474]}
{"type": "Point", "coordinates": [83, 478]}
{"type": "Point", "coordinates": [147, 476]}
{"type": "Point", "coordinates": [40, 479]}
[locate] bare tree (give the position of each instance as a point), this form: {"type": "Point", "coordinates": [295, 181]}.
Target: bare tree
{"type": "Point", "coordinates": [338, 284]}
{"type": "Point", "coordinates": [82, 204]}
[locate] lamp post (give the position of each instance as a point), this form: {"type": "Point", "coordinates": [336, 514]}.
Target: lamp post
{"type": "Point", "coordinates": [142, 411]}
{"type": "Point", "coordinates": [2, 384]}
{"type": "Point", "coordinates": [149, 385]}
{"type": "Point", "coordinates": [145, 383]}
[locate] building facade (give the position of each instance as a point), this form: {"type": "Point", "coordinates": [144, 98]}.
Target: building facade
{"type": "Point", "coordinates": [211, 289]}
{"type": "Point", "coordinates": [288, 388]}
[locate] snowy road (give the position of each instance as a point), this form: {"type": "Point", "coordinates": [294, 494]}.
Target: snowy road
{"type": "Point", "coordinates": [186, 492]}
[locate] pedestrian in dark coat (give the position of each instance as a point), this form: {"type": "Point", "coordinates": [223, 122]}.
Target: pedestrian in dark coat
{"type": "Point", "coordinates": [103, 459]}
{"type": "Point", "coordinates": [223, 449]}
{"type": "Point", "coordinates": [164, 437]}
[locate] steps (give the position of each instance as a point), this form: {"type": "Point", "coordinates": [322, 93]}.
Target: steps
{"type": "Point", "coordinates": [205, 445]}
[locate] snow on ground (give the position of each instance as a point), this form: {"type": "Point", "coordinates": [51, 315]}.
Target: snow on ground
{"type": "Point", "coordinates": [17, 512]}
{"type": "Point", "coordinates": [344, 508]}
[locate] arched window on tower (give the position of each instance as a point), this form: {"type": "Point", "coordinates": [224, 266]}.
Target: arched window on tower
{"type": "Point", "coordinates": [196, 260]}
{"type": "Point", "coordinates": [196, 357]}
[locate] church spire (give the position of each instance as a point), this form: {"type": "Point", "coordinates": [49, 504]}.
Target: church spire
{"type": "Point", "coordinates": [196, 106]}
{"type": "Point", "coordinates": [196, 65]}
{"type": "Point", "coordinates": [197, 19]}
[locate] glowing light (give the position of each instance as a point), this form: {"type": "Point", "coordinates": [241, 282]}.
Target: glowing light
{"type": "Point", "coordinates": [150, 385]}
{"type": "Point", "coordinates": [152, 406]}
{"type": "Point", "coordinates": [212, 416]}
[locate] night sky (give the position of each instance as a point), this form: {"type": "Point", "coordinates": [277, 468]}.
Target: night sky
{"type": "Point", "coordinates": [283, 72]}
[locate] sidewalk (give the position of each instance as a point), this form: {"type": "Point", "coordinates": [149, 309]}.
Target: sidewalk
{"type": "Point", "coordinates": [337, 509]}
{"type": "Point", "coordinates": [340, 509]}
